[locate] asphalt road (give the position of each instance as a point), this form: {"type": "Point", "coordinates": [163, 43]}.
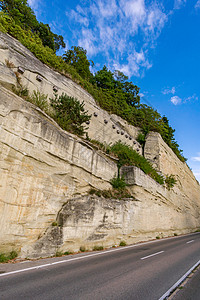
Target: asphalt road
{"type": "Point", "coordinates": [143, 271]}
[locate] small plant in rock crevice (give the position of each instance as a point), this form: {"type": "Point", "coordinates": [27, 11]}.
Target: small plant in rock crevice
{"type": "Point", "coordinates": [67, 253]}
{"type": "Point", "coordinates": [98, 248]}
{"type": "Point", "coordinates": [170, 181]}
{"type": "Point", "coordinates": [54, 224]}
{"type": "Point", "coordinates": [9, 64]}
{"type": "Point", "coordinates": [59, 254]}
{"type": "Point", "coordinates": [118, 182]}
{"type": "Point", "coordinates": [82, 249]}
{"type": "Point", "coordinates": [40, 100]}
{"type": "Point", "coordinates": [122, 244]}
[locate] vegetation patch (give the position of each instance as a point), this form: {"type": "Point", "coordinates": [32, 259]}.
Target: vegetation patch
{"type": "Point", "coordinates": [98, 248]}
{"type": "Point", "coordinates": [170, 181]}
{"type": "Point", "coordinates": [127, 156]}
{"type": "Point", "coordinates": [122, 244]}
{"type": "Point", "coordinates": [40, 100]}
{"type": "Point", "coordinates": [54, 224]}
{"type": "Point", "coordinates": [70, 114]}
{"type": "Point", "coordinates": [82, 249]}
{"type": "Point", "coordinates": [67, 253]}
{"type": "Point", "coordinates": [59, 254]}
{"type": "Point", "coordinates": [118, 183]}
{"type": "Point", "coordinates": [6, 257]}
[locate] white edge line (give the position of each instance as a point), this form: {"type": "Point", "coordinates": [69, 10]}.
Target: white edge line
{"type": "Point", "coordinates": [179, 281]}
{"type": "Point", "coordinates": [86, 256]}
{"type": "Point", "coordinates": [190, 242]}
{"type": "Point", "coordinates": [152, 255]}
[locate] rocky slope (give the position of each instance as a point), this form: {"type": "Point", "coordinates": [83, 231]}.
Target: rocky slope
{"type": "Point", "coordinates": [46, 173]}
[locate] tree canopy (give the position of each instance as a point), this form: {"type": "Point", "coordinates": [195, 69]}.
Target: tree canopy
{"type": "Point", "coordinates": [77, 57]}
{"type": "Point", "coordinates": [24, 16]}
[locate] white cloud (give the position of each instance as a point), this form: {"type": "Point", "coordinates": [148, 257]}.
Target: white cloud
{"type": "Point", "coordinates": [87, 41]}
{"type": "Point", "coordinates": [33, 4]}
{"type": "Point", "coordinates": [112, 29]}
{"type": "Point", "coordinates": [78, 17]}
{"type": "Point", "coordinates": [169, 91]}
{"type": "Point", "coordinates": [197, 5]}
{"type": "Point", "coordinates": [141, 95]}
{"type": "Point", "coordinates": [197, 158]}
{"type": "Point", "coordinates": [197, 175]}
{"type": "Point", "coordinates": [196, 167]}
{"type": "Point", "coordinates": [176, 100]}
{"type": "Point", "coordinates": [179, 3]}
{"type": "Point", "coordinates": [193, 97]}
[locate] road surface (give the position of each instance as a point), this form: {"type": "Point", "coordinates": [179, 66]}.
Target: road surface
{"type": "Point", "coordinates": [143, 271]}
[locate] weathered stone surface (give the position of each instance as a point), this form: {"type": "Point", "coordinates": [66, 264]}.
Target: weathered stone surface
{"type": "Point", "coordinates": [164, 159]}
{"type": "Point", "coordinates": [41, 167]}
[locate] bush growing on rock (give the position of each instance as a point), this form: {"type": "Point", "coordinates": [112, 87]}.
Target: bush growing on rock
{"type": "Point", "coordinates": [128, 156]}
{"type": "Point", "coordinates": [70, 114]}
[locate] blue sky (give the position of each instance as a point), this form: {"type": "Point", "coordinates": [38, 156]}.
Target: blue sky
{"type": "Point", "coordinates": [155, 43]}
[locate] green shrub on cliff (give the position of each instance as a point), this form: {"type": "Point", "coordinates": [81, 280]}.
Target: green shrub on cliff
{"type": "Point", "coordinates": [6, 257]}
{"type": "Point", "coordinates": [170, 181]}
{"type": "Point", "coordinates": [70, 114]}
{"type": "Point", "coordinates": [127, 156]}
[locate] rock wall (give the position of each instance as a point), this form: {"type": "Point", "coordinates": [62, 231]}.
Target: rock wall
{"type": "Point", "coordinates": [164, 160]}
{"type": "Point", "coordinates": [103, 126]}
{"type": "Point", "coordinates": [46, 173]}
{"type": "Point", "coordinates": [89, 221]}
{"type": "Point", "coordinates": [41, 167]}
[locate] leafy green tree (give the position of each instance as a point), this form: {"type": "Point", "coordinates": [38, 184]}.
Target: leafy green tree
{"type": "Point", "coordinates": [168, 131]}
{"type": "Point", "coordinates": [120, 77]}
{"type": "Point", "coordinates": [21, 13]}
{"type": "Point", "coordinates": [131, 90]}
{"type": "Point", "coordinates": [70, 114]}
{"type": "Point", "coordinates": [24, 16]}
{"type": "Point", "coordinates": [77, 57]}
{"type": "Point", "coordinates": [105, 79]}
{"type": "Point", "coordinates": [58, 41]}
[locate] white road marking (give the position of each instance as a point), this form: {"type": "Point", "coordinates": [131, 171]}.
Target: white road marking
{"type": "Point", "coordinates": [152, 255]}
{"type": "Point", "coordinates": [179, 282]}
{"type": "Point", "coordinates": [190, 242]}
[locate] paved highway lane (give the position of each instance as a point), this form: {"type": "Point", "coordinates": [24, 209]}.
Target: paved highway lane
{"type": "Point", "coordinates": [143, 271]}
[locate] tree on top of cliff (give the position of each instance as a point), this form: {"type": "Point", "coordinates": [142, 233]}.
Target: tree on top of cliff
{"type": "Point", "coordinates": [24, 16]}
{"type": "Point", "coordinates": [77, 57]}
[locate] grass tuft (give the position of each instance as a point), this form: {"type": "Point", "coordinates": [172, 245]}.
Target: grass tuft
{"type": "Point", "coordinates": [122, 244]}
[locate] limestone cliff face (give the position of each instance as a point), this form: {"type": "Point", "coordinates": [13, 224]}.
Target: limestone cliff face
{"type": "Point", "coordinates": [41, 168]}
{"type": "Point", "coordinates": [46, 173]}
